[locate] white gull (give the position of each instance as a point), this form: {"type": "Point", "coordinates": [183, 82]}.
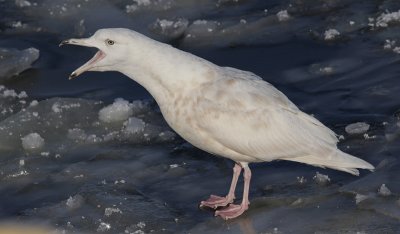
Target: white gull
{"type": "Point", "coordinates": [221, 110]}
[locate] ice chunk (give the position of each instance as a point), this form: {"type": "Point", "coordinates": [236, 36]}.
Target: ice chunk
{"type": "Point", "coordinates": [321, 179]}
{"type": "Point", "coordinates": [384, 191]}
{"type": "Point", "coordinates": [360, 197]}
{"type": "Point", "coordinates": [13, 61]}
{"type": "Point", "coordinates": [134, 126]}
{"type": "Point", "coordinates": [75, 202]}
{"type": "Point", "coordinates": [396, 50]}
{"type": "Point", "coordinates": [57, 107]}
{"type": "Point", "coordinates": [11, 93]}
{"type": "Point", "coordinates": [11, 101]}
{"type": "Point", "coordinates": [136, 228]}
{"type": "Point", "coordinates": [283, 15]}
{"type": "Point", "coordinates": [136, 5]}
{"type": "Point", "coordinates": [111, 210]}
{"type": "Point", "coordinates": [331, 34]}
{"type": "Point", "coordinates": [120, 110]}
{"type": "Point", "coordinates": [33, 103]}
{"type": "Point", "coordinates": [385, 18]}
{"type": "Point", "coordinates": [18, 174]}
{"type": "Point", "coordinates": [92, 138]}
{"type": "Point", "coordinates": [45, 154]}
{"type": "Point", "coordinates": [389, 44]}
{"type": "Point", "coordinates": [301, 180]}
{"type": "Point", "coordinates": [22, 3]}
{"type": "Point", "coordinates": [357, 128]}
{"type": "Point", "coordinates": [32, 141]}
{"type": "Point", "coordinates": [200, 27]}
{"type": "Point", "coordinates": [77, 134]}
{"type": "Point", "coordinates": [167, 136]}
{"type": "Point", "coordinates": [103, 227]}
{"type": "Point", "coordinates": [169, 28]}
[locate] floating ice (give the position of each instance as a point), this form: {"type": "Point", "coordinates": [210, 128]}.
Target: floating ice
{"type": "Point", "coordinates": [57, 107]}
{"type": "Point", "coordinates": [22, 3]}
{"type": "Point", "coordinates": [136, 228]}
{"type": "Point", "coordinates": [283, 15]}
{"type": "Point", "coordinates": [18, 174]}
{"type": "Point", "coordinates": [167, 136]}
{"type": "Point", "coordinates": [301, 180]}
{"type": "Point", "coordinates": [384, 191]}
{"type": "Point", "coordinates": [103, 227]}
{"type": "Point", "coordinates": [389, 44]}
{"type": "Point", "coordinates": [385, 18]}
{"type": "Point", "coordinates": [396, 50]}
{"type": "Point", "coordinates": [32, 141]}
{"type": "Point", "coordinates": [357, 128]}
{"type": "Point", "coordinates": [169, 28]}
{"type": "Point", "coordinates": [74, 202]}
{"type": "Point", "coordinates": [45, 154]}
{"type": "Point", "coordinates": [136, 5]}
{"type": "Point", "coordinates": [13, 61]}
{"type": "Point", "coordinates": [93, 138]}
{"type": "Point", "coordinates": [77, 134]}
{"type": "Point", "coordinates": [134, 126]}
{"type": "Point", "coordinates": [360, 197]}
{"type": "Point", "coordinates": [331, 34]}
{"type": "Point", "coordinates": [201, 27]}
{"type": "Point", "coordinates": [33, 103]}
{"type": "Point", "coordinates": [141, 225]}
{"type": "Point", "coordinates": [109, 211]}
{"type": "Point", "coordinates": [321, 179]}
{"type": "Point", "coordinates": [4, 92]}
{"type": "Point", "coordinates": [120, 110]}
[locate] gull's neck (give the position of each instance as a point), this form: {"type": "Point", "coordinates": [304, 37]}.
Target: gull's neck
{"type": "Point", "coordinates": [166, 72]}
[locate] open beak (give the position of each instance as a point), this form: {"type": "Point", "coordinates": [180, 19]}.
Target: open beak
{"type": "Point", "coordinates": [89, 64]}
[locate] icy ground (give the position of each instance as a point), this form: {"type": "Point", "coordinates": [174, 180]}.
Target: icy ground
{"type": "Point", "coordinates": [94, 155]}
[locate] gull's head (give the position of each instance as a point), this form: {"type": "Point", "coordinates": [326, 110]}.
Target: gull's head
{"type": "Point", "coordinates": [113, 49]}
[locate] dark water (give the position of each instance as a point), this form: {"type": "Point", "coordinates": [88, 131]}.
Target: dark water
{"type": "Point", "coordinates": [151, 179]}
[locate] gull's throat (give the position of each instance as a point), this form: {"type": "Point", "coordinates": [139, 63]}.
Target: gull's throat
{"type": "Point", "coordinates": [97, 57]}
{"type": "Point", "coordinates": [89, 64]}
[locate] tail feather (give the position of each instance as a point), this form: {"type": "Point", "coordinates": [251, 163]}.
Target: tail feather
{"type": "Point", "coordinates": [338, 161]}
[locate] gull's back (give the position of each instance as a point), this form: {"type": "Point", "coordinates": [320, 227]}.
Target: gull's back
{"type": "Point", "coordinates": [255, 122]}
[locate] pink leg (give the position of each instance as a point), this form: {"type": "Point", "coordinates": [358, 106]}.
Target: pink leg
{"type": "Point", "coordinates": [233, 211]}
{"type": "Point", "coordinates": [217, 201]}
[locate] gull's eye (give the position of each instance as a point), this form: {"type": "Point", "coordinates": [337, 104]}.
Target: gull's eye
{"type": "Point", "coordinates": [110, 42]}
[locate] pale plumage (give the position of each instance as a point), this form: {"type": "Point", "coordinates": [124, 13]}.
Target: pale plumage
{"type": "Point", "coordinates": [222, 110]}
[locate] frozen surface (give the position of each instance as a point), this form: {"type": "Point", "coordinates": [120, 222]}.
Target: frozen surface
{"type": "Point", "coordinates": [110, 164]}
{"type": "Point", "coordinates": [357, 128]}
{"type": "Point", "coordinates": [13, 61]}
